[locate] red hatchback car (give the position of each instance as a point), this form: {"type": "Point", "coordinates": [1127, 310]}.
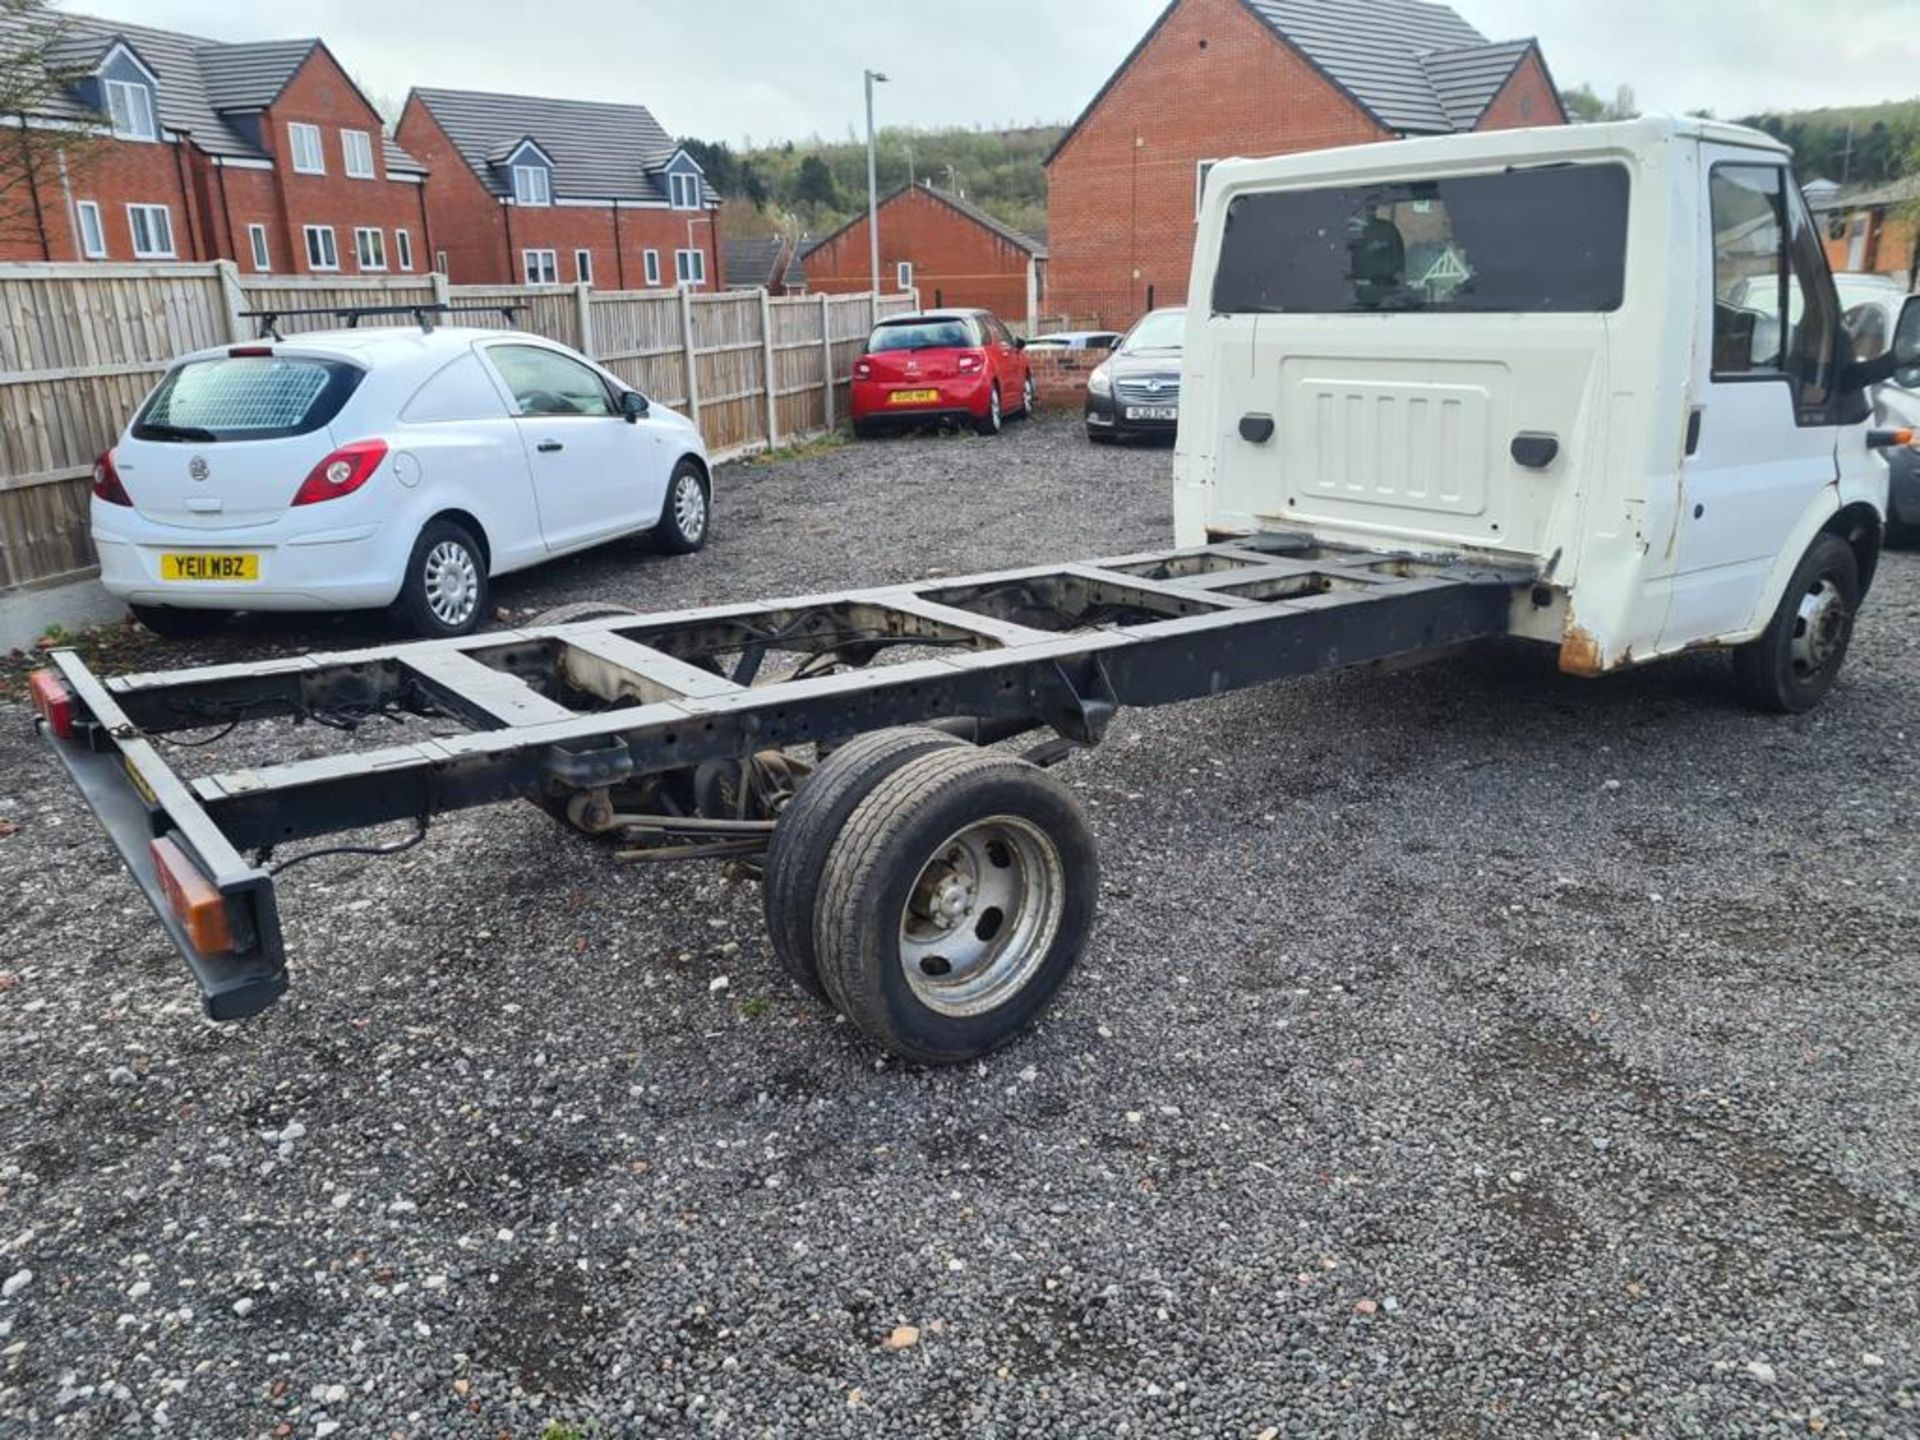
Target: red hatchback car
{"type": "Point", "coordinates": [941, 365]}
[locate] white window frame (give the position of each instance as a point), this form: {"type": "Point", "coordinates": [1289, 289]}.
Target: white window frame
{"type": "Point", "coordinates": [440, 261]}
{"type": "Point", "coordinates": [151, 252]}
{"type": "Point", "coordinates": [93, 245]}
{"type": "Point", "coordinates": [403, 247]}
{"type": "Point", "coordinates": [332, 247]}
{"type": "Point", "coordinates": [903, 276]}
{"type": "Point", "coordinates": [143, 111]}
{"type": "Point", "coordinates": [362, 234]}
{"type": "Point", "coordinates": [304, 142]}
{"type": "Point", "coordinates": [257, 244]}
{"type": "Point", "coordinates": [683, 190]}
{"type": "Point", "coordinates": [349, 152]}
{"type": "Point", "coordinates": [532, 194]}
{"type": "Point", "coordinates": [651, 260]}
{"type": "Point", "coordinates": [583, 266]}
{"type": "Point", "coordinates": [690, 268]}
{"type": "Point", "coordinates": [540, 267]}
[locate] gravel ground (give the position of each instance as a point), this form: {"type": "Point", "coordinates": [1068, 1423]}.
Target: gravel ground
{"type": "Point", "coordinates": [1463, 1051]}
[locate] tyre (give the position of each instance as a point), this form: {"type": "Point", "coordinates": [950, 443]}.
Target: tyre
{"type": "Point", "coordinates": [1795, 660]}
{"type": "Point", "coordinates": [687, 515]}
{"type": "Point", "coordinates": [575, 611]}
{"type": "Point", "coordinates": [956, 900]}
{"type": "Point", "coordinates": [989, 424]}
{"type": "Point", "coordinates": [862, 430]}
{"type": "Point", "coordinates": [1029, 397]}
{"type": "Point", "coordinates": [790, 886]}
{"type": "Point", "coordinates": [445, 591]}
{"type": "Point", "coordinates": [1099, 437]}
{"type": "Point", "coordinates": [173, 624]}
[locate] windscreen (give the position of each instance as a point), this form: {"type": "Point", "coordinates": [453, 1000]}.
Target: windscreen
{"type": "Point", "coordinates": [1163, 330]}
{"type": "Point", "coordinates": [245, 397]}
{"type": "Point", "coordinates": [1548, 240]}
{"type": "Point", "coordinates": [922, 335]}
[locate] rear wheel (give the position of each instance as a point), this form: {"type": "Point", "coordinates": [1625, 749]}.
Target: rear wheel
{"type": "Point", "coordinates": [445, 590]}
{"type": "Point", "coordinates": [1793, 663]}
{"type": "Point", "coordinates": [989, 424]}
{"type": "Point", "coordinates": [687, 516]}
{"type": "Point", "coordinates": [955, 902]}
{"type": "Point", "coordinates": [1029, 397]}
{"type": "Point", "coordinates": [174, 624]}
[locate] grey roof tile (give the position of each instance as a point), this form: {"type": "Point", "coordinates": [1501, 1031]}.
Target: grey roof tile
{"type": "Point", "coordinates": [751, 259]}
{"type": "Point", "coordinates": [1466, 80]}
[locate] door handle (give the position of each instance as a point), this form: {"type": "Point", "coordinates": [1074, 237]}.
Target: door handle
{"type": "Point", "coordinates": [547, 447]}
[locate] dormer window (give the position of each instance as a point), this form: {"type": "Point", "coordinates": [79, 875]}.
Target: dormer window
{"type": "Point", "coordinates": [532, 185]}
{"type": "Point", "coordinates": [130, 110]}
{"type": "Point", "coordinates": [685, 190]}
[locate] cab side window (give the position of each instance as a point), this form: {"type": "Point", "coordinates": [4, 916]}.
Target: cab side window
{"type": "Point", "coordinates": [1773, 309]}
{"type": "Point", "coordinates": [545, 382]}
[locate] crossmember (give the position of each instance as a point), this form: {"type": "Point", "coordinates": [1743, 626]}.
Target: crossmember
{"type": "Point", "coordinates": [589, 706]}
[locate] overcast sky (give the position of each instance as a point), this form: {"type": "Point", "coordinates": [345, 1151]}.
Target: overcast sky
{"type": "Point", "coordinates": [786, 69]}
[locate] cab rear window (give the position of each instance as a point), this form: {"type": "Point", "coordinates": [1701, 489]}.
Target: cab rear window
{"type": "Point", "coordinates": [1551, 240]}
{"type": "Point", "coordinates": [246, 397]}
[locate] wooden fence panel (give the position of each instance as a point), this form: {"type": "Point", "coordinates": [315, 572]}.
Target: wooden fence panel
{"type": "Point", "coordinates": [547, 310]}
{"type": "Point", "coordinates": [292, 292]}
{"type": "Point", "coordinates": [799, 366]}
{"type": "Point", "coordinates": [636, 335]}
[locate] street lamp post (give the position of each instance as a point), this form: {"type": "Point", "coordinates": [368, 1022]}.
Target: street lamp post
{"type": "Point", "coordinates": [873, 188]}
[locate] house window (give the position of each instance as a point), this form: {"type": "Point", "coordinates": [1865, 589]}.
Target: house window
{"type": "Point", "coordinates": [356, 147]}
{"type": "Point", "coordinates": [685, 190]}
{"type": "Point", "coordinates": [532, 185]}
{"type": "Point", "coordinates": [322, 254]}
{"type": "Point", "coordinates": [652, 260]}
{"type": "Point", "coordinates": [152, 227]}
{"type": "Point", "coordinates": [583, 266]}
{"type": "Point", "coordinates": [304, 142]}
{"type": "Point", "coordinates": [130, 110]}
{"type": "Point", "coordinates": [370, 247]}
{"type": "Point", "coordinates": [903, 275]}
{"type": "Point", "coordinates": [257, 241]}
{"type": "Point", "coordinates": [440, 261]}
{"type": "Point", "coordinates": [93, 235]}
{"type": "Point", "coordinates": [403, 248]}
{"type": "Point", "coordinates": [690, 267]}
{"type": "Point", "coordinates": [1200, 171]}
{"type": "Point", "coordinates": [540, 267]}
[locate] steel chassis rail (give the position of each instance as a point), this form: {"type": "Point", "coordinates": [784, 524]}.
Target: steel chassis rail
{"type": "Point", "coordinates": [1051, 645]}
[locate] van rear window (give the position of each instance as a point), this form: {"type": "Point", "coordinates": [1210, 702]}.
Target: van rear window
{"type": "Point", "coordinates": [246, 397]}
{"type": "Point", "coordinates": [1551, 240]}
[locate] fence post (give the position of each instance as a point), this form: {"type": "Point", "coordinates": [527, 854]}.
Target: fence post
{"type": "Point", "coordinates": [235, 300]}
{"type": "Point", "coordinates": [766, 370]}
{"type": "Point", "coordinates": [583, 318]}
{"type": "Point", "coordinates": [693, 360]}
{"type": "Point", "coordinates": [826, 355]}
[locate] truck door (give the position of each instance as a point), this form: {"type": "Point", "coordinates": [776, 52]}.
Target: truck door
{"type": "Point", "coordinates": [1761, 441]}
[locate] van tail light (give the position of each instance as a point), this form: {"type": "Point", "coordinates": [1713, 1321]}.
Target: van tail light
{"type": "Point", "coordinates": [863, 369]}
{"type": "Point", "coordinates": [342, 472]}
{"type": "Point", "coordinates": [970, 364]}
{"type": "Point", "coordinates": [53, 700]}
{"type": "Point", "coordinates": [106, 481]}
{"type": "Point", "coordinates": [201, 909]}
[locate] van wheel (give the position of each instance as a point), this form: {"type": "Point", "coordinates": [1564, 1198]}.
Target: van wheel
{"type": "Point", "coordinates": [807, 829]}
{"type": "Point", "coordinates": [1793, 663]}
{"type": "Point", "coordinates": [173, 624]}
{"type": "Point", "coordinates": [989, 424]}
{"type": "Point", "coordinates": [956, 901]}
{"type": "Point", "coordinates": [686, 517]}
{"type": "Point", "coordinates": [445, 592]}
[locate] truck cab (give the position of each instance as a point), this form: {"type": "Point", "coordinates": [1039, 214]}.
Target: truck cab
{"type": "Point", "coordinates": [1612, 354]}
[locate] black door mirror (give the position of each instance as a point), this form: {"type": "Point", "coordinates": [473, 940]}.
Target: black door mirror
{"type": "Point", "coordinates": [633, 405]}
{"type": "Point", "coordinates": [1906, 345]}
{"type": "Point", "coordinates": [1019, 342]}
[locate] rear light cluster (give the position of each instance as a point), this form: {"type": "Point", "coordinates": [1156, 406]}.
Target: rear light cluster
{"type": "Point", "coordinates": [201, 909]}
{"type": "Point", "coordinates": [54, 701]}
{"type": "Point", "coordinates": [342, 472]}
{"type": "Point", "coordinates": [970, 364]}
{"type": "Point", "coordinates": [863, 369]}
{"type": "Point", "coordinates": [106, 481]}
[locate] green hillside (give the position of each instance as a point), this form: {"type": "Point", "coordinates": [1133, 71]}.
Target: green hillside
{"type": "Point", "coordinates": [1859, 144]}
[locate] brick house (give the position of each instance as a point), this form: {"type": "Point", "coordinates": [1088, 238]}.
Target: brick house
{"type": "Point", "coordinates": [954, 252]}
{"type": "Point", "coordinates": [1218, 78]}
{"type": "Point", "coordinates": [525, 190]}
{"type": "Point", "coordinates": [184, 148]}
{"type": "Point", "coordinates": [1872, 229]}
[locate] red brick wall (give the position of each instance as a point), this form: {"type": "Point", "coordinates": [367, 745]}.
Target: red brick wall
{"type": "Point", "coordinates": [956, 261]}
{"type": "Point", "coordinates": [116, 174]}
{"type": "Point", "coordinates": [472, 226]}
{"type": "Point", "coordinates": [1061, 375]}
{"type": "Point", "coordinates": [1212, 82]}
{"type": "Point", "coordinates": [1528, 98]}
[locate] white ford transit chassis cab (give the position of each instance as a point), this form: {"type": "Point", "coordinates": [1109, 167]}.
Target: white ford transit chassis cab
{"type": "Point", "coordinates": [1588, 386]}
{"type": "Point", "coordinates": [1561, 349]}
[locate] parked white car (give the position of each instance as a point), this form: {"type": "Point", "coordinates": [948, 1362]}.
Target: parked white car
{"type": "Point", "coordinates": [1872, 304]}
{"type": "Point", "coordinates": [403, 467]}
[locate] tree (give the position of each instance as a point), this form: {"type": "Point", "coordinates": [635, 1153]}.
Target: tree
{"type": "Point", "coordinates": [815, 188]}
{"type": "Point", "coordinates": [33, 159]}
{"type": "Point", "coordinates": [1586, 107]}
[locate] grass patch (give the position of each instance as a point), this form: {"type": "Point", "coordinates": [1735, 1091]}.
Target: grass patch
{"type": "Point", "coordinates": [824, 444]}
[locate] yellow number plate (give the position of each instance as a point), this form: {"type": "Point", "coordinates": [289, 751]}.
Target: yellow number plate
{"type": "Point", "coordinates": [233, 565]}
{"type": "Point", "coordinates": [913, 397]}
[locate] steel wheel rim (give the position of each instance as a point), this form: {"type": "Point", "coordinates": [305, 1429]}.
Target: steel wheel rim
{"type": "Point", "coordinates": [690, 507]}
{"type": "Point", "coordinates": [1027, 394]}
{"type": "Point", "coordinates": [1820, 629]}
{"type": "Point", "coordinates": [452, 583]}
{"type": "Point", "coordinates": [993, 407]}
{"type": "Point", "coordinates": [982, 915]}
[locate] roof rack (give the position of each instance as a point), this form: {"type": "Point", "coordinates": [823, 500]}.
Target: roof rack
{"type": "Point", "coordinates": [423, 315]}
